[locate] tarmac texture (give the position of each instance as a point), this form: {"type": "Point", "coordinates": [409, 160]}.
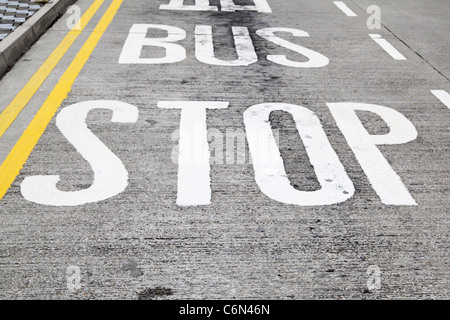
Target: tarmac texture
{"type": "Point", "coordinates": [115, 226]}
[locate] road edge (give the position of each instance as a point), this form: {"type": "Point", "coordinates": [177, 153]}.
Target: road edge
{"type": "Point", "coordinates": [21, 39]}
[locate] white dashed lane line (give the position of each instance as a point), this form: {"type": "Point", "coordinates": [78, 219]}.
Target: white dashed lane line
{"type": "Point", "coordinates": [341, 5]}
{"type": "Point", "coordinates": [443, 96]}
{"type": "Point", "coordinates": [389, 48]}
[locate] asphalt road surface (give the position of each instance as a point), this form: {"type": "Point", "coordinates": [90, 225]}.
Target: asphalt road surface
{"type": "Point", "coordinates": [248, 150]}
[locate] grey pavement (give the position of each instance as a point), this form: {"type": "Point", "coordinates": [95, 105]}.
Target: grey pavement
{"type": "Point", "coordinates": [244, 244]}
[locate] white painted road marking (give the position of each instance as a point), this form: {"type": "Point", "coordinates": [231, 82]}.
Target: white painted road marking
{"type": "Point", "coordinates": [200, 5]}
{"type": "Point", "coordinates": [204, 47]}
{"type": "Point", "coordinates": [110, 175]}
{"type": "Point", "coordinates": [270, 172]}
{"type": "Point", "coordinates": [383, 178]}
{"type": "Point", "coordinates": [389, 48]}
{"type": "Point", "coordinates": [442, 95]}
{"type": "Point", "coordinates": [259, 5]}
{"type": "Point", "coordinates": [341, 5]}
{"type": "Point", "coordinates": [315, 59]}
{"type": "Point", "coordinates": [226, 5]}
{"type": "Point", "coordinates": [194, 181]}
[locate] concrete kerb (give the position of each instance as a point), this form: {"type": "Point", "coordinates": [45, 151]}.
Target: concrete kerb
{"type": "Point", "coordinates": [21, 39]}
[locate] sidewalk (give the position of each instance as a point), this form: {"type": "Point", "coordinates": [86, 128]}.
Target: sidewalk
{"type": "Point", "coordinates": [22, 22]}
{"type": "Point", "coordinates": [14, 13]}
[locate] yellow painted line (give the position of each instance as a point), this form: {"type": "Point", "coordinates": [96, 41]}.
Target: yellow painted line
{"type": "Point", "coordinates": [16, 159]}
{"type": "Point", "coordinates": [11, 112]}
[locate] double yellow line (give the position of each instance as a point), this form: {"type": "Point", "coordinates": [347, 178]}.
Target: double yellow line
{"type": "Point", "coordinates": [16, 159]}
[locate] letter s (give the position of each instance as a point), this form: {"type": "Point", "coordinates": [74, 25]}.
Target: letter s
{"type": "Point", "coordinates": [316, 60]}
{"type": "Point", "coordinates": [110, 175]}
